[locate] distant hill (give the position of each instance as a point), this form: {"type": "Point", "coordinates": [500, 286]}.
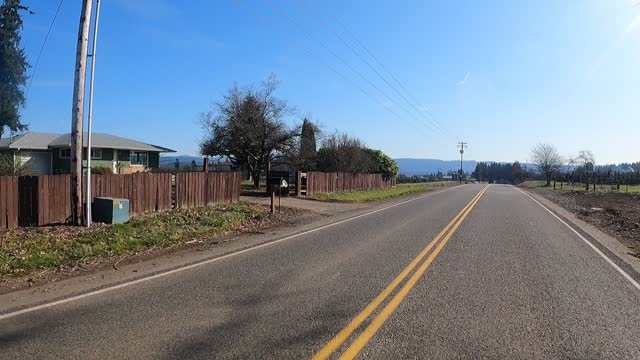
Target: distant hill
{"type": "Point", "coordinates": [411, 167]}
{"type": "Point", "coordinates": [185, 160]}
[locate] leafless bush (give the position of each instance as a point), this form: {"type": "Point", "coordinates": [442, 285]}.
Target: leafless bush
{"type": "Point", "coordinates": [9, 167]}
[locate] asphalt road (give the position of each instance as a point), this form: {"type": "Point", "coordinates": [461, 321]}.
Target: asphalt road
{"type": "Point", "coordinates": [507, 280]}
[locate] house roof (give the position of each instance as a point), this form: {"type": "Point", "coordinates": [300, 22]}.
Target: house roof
{"type": "Point", "coordinates": [34, 141]}
{"type": "Point", "coordinates": [45, 141]}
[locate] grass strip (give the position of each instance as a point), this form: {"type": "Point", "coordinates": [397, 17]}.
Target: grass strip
{"type": "Point", "coordinates": [377, 195]}
{"type": "Point", "coordinates": [25, 250]}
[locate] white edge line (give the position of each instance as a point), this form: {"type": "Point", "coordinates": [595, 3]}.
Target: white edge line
{"type": "Point", "coordinates": [209, 261]}
{"type": "Point", "coordinates": [613, 264]}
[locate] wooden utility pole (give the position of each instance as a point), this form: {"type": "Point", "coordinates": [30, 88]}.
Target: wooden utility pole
{"type": "Point", "coordinates": [77, 112]}
{"type": "Point", "coordinates": [462, 145]}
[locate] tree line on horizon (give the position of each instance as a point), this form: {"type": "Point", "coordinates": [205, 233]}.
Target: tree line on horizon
{"type": "Point", "coordinates": [548, 165]}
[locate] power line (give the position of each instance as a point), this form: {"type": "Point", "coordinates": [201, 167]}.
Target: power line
{"type": "Point", "coordinates": [309, 35]}
{"type": "Point", "coordinates": [419, 112]}
{"type": "Point", "coordinates": [431, 120]}
{"type": "Point", "coordinates": [312, 55]}
{"type": "Point", "coordinates": [379, 62]}
{"type": "Point", "coordinates": [35, 67]}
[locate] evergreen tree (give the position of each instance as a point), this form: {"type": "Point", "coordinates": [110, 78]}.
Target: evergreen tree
{"type": "Point", "coordinates": [499, 172]}
{"type": "Point", "coordinates": [308, 147]}
{"type": "Point", "coordinates": [13, 66]}
{"type": "Point", "coordinates": [176, 163]}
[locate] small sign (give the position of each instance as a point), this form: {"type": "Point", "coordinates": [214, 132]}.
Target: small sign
{"type": "Point", "coordinates": [284, 183]}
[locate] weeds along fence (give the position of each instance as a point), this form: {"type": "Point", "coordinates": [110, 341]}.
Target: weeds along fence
{"type": "Point", "coordinates": [321, 182]}
{"type": "Point", "coordinates": [46, 200]}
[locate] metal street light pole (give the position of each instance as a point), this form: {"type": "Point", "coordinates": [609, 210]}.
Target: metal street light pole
{"type": "Point", "coordinates": [90, 117]}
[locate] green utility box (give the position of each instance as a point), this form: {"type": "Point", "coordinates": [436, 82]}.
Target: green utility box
{"type": "Point", "coordinates": [110, 210]}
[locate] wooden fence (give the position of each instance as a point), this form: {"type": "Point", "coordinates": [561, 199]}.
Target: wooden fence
{"type": "Point", "coordinates": [200, 189]}
{"type": "Point", "coordinates": [8, 202]}
{"type": "Point", "coordinates": [146, 192]}
{"type": "Point", "coordinates": [45, 200]}
{"type": "Point", "coordinates": [53, 203]}
{"type": "Point", "coordinates": [320, 182]}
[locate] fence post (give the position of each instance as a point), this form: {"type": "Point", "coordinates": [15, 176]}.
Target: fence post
{"type": "Point", "coordinates": [587, 183]}
{"type": "Point", "coordinates": [273, 200]}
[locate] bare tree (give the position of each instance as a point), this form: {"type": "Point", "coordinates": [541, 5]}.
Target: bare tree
{"type": "Point", "coordinates": [547, 159]}
{"type": "Point", "coordinates": [248, 128]}
{"type": "Point", "coordinates": [586, 160]}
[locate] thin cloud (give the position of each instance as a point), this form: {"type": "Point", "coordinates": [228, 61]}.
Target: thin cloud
{"type": "Point", "coordinates": [633, 25]}
{"type": "Point", "coordinates": [466, 77]}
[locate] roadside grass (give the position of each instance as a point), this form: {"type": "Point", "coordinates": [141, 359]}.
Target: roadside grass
{"type": "Point", "coordinates": [377, 195]}
{"type": "Point", "coordinates": [25, 250]}
{"type": "Point", "coordinates": [580, 187]}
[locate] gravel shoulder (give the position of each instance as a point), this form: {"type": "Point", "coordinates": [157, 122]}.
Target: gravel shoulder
{"type": "Point", "coordinates": [616, 214]}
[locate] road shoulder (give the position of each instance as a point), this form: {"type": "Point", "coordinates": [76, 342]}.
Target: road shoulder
{"type": "Point", "coordinates": [604, 241]}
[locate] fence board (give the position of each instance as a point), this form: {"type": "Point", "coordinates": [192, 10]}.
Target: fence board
{"type": "Point", "coordinates": [200, 189]}
{"type": "Point", "coordinates": [28, 200]}
{"type": "Point", "coordinates": [320, 182]}
{"type": "Point", "coordinates": [12, 202]}
{"type": "Point", "coordinates": [9, 202]}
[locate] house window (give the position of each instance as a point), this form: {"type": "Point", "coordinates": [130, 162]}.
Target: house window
{"type": "Point", "coordinates": [65, 153]}
{"type": "Point", "coordinates": [139, 158]}
{"type": "Point", "coordinates": [96, 154]}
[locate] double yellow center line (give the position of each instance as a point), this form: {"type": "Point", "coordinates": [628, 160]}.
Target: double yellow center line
{"type": "Point", "coordinates": [377, 322]}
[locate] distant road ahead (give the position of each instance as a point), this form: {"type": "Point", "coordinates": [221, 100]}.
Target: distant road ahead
{"type": "Point", "coordinates": [505, 279]}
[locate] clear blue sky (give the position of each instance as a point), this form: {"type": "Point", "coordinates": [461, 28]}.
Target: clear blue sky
{"type": "Point", "coordinates": [501, 75]}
